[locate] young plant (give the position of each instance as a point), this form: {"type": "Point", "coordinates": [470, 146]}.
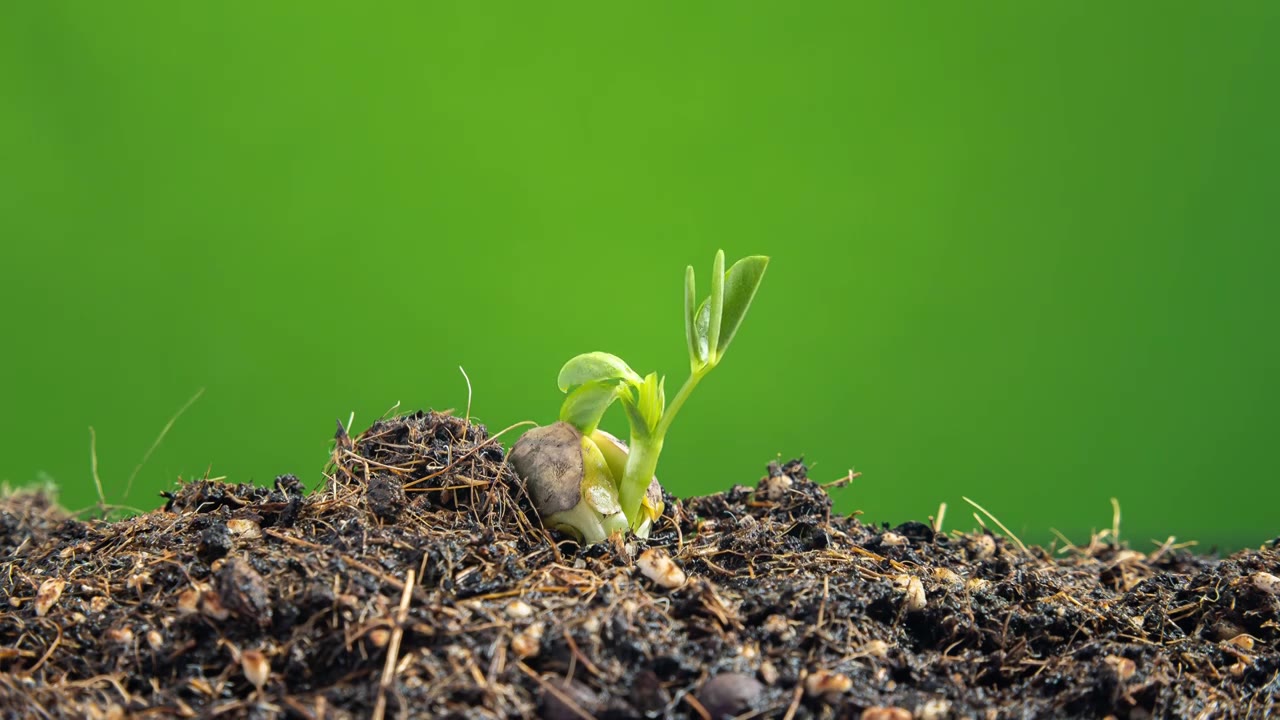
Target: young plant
{"type": "Point", "coordinates": [584, 480]}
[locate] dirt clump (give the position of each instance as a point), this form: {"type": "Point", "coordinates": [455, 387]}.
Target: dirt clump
{"type": "Point", "coordinates": [416, 582]}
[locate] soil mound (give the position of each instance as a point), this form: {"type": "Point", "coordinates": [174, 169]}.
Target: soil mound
{"type": "Point", "coordinates": [417, 583]}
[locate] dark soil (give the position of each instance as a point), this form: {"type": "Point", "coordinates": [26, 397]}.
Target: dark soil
{"type": "Point", "coordinates": [415, 583]}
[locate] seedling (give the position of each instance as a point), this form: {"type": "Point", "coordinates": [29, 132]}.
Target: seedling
{"type": "Point", "coordinates": [587, 482]}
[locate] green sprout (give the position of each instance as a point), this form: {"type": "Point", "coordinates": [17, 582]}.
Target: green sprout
{"type": "Point", "coordinates": [586, 482]}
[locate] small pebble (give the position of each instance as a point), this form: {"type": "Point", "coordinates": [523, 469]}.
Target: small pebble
{"type": "Point", "coordinates": [913, 591]}
{"type": "Point", "coordinates": [892, 539]}
{"type": "Point", "coordinates": [48, 593]}
{"type": "Point", "coordinates": [934, 709]}
{"type": "Point", "coordinates": [1244, 641]}
{"type": "Point", "coordinates": [1123, 667]}
{"type": "Point", "coordinates": [660, 568]}
{"type": "Point", "coordinates": [245, 528]}
{"type": "Point", "coordinates": [984, 546]}
{"type": "Point", "coordinates": [256, 667]}
{"type": "Point", "coordinates": [556, 700]}
{"type": "Point", "coordinates": [948, 576]}
{"type": "Point", "coordinates": [528, 642]}
{"type": "Point", "coordinates": [774, 487]}
{"type": "Point", "coordinates": [827, 685]}
{"type": "Point", "coordinates": [1266, 582]}
{"type": "Point", "coordinates": [519, 610]}
{"type": "Point", "coordinates": [729, 694]}
{"type": "Point", "coordinates": [876, 649]}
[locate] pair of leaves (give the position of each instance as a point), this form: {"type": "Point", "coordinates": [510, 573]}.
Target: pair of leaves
{"type": "Point", "coordinates": [712, 325]}
{"type": "Point", "coordinates": [595, 380]}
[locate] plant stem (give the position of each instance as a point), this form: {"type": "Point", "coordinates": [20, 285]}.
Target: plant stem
{"type": "Point", "coordinates": [642, 462]}
{"type": "Point", "coordinates": [642, 459]}
{"type": "Point", "coordinates": [676, 402]}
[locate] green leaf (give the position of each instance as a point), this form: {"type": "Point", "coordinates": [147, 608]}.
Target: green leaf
{"type": "Point", "coordinates": [635, 416]}
{"type": "Point", "coordinates": [740, 285]}
{"type": "Point", "coordinates": [590, 367]}
{"type": "Point", "coordinates": [717, 302]}
{"type": "Point", "coordinates": [702, 326]}
{"type": "Point", "coordinates": [651, 400]}
{"type": "Point", "coordinates": [584, 407]}
{"type": "Point", "coordinates": [690, 309]}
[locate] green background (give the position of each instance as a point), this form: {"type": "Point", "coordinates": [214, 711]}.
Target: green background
{"type": "Point", "coordinates": [1024, 252]}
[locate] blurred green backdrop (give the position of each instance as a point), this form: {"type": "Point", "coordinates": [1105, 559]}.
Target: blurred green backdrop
{"type": "Point", "coordinates": [1023, 252]}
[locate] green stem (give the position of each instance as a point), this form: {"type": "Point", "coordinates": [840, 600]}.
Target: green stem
{"type": "Point", "coordinates": [678, 401]}
{"type": "Point", "coordinates": [642, 460]}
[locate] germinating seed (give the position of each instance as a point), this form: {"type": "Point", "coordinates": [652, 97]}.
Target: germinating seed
{"type": "Point", "coordinates": [586, 482]}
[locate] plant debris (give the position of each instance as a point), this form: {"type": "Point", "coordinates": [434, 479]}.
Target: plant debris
{"type": "Point", "coordinates": [417, 582]}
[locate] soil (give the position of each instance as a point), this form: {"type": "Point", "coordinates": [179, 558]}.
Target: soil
{"type": "Point", "coordinates": [417, 583]}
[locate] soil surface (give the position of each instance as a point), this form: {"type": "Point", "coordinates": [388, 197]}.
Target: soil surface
{"type": "Point", "coordinates": [416, 583]}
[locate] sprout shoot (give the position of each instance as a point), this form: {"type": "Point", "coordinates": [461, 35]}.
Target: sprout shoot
{"type": "Point", "coordinates": [585, 481]}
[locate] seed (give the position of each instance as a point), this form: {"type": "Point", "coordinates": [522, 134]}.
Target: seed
{"type": "Point", "coordinates": [768, 672]}
{"type": "Point", "coordinates": [123, 635]}
{"type": "Point", "coordinates": [155, 639]}
{"type": "Point", "coordinates": [256, 667]}
{"type": "Point", "coordinates": [827, 684]}
{"type": "Point", "coordinates": [48, 594]}
{"type": "Point", "coordinates": [99, 604]}
{"type": "Point", "coordinates": [660, 568]}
